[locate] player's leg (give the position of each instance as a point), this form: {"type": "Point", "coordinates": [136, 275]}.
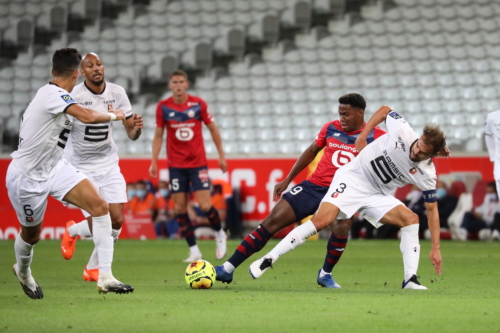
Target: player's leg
{"type": "Point", "coordinates": [91, 270]}
{"type": "Point", "coordinates": [198, 177]}
{"type": "Point", "coordinates": [301, 201]}
{"type": "Point", "coordinates": [404, 218]}
{"type": "Point", "coordinates": [85, 196]}
{"type": "Point", "coordinates": [29, 200]}
{"type": "Point", "coordinates": [334, 250]}
{"type": "Point", "coordinates": [326, 214]}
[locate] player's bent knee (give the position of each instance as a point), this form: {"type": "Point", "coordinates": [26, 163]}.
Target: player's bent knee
{"type": "Point", "coordinates": [410, 219]}
{"type": "Point", "coordinates": [100, 208]}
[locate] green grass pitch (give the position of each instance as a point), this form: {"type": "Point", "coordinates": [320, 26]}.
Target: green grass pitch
{"type": "Point", "coordinates": [466, 298]}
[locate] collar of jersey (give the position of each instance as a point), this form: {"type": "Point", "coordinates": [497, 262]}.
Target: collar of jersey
{"type": "Point", "coordinates": [93, 92]}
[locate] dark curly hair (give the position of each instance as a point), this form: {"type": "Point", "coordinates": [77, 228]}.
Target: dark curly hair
{"type": "Point", "coordinates": [65, 61]}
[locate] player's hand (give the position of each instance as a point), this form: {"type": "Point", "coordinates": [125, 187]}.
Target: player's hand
{"type": "Point", "coordinates": [138, 122]}
{"type": "Point", "coordinates": [436, 260]}
{"type": "Point", "coordinates": [279, 189]}
{"type": "Point", "coordinates": [223, 164]}
{"type": "Point", "coordinates": [120, 115]}
{"type": "Point", "coordinates": [153, 170]}
{"type": "Point", "coordinates": [360, 143]}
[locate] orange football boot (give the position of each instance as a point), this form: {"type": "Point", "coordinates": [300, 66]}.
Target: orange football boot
{"type": "Point", "coordinates": [90, 275]}
{"type": "Point", "coordinates": [68, 243]}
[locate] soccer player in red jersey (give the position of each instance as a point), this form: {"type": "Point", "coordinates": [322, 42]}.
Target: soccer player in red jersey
{"type": "Point", "coordinates": [182, 115]}
{"type": "Point", "coordinates": [337, 138]}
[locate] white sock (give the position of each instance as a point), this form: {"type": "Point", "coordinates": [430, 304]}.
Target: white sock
{"type": "Point", "coordinates": [24, 256]}
{"type": "Point", "coordinates": [80, 229]}
{"type": "Point", "coordinates": [323, 273]}
{"type": "Point", "coordinates": [195, 250]}
{"type": "Point", "coordinates": [295, 238]}
{"type": "Point", "coordinates": [115, 234]}
{"type": "Point", "coordinates": [410, 248]}
{"type": "Point", "coordinates": [103, 242]}
{"type": "Point", "coordinates": [228, 267]}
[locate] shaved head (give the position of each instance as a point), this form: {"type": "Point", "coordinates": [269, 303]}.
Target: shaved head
{"type": "Point", "coordinates": [92, 69]}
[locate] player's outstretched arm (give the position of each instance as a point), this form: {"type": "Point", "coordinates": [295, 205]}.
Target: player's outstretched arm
{"type": "Point", "coordinates": [214, 132]}
{"type": "Point", "coordinates": [89, 116]}
{"type": "Point", "coordinates": [303, 161]}
{"type": "Point", "coordinates": [434, 228]}
{"type": "Point", "coordinates": [134, 126]}
{"type": "Point", "coordinates": [377, 118]}
{"type": "Point", "coordinates": [157, 141]}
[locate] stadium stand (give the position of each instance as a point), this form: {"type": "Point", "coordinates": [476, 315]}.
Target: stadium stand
{"type": "Point", "coordinates": [265, 67]}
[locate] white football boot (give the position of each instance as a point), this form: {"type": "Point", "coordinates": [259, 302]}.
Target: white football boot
{"type": "Point", "coordinates": [30, 287]}
{"type": "Point", "coordinates": [258, 267]}
{"type": "Point", "coordinates": [113, 285]}
{"type": "Point", "coordinates": [220, 244]}
{"type": "Point", "coordinates": [413, 283]}
{"type": "Point", "coordinates": [193, 257]}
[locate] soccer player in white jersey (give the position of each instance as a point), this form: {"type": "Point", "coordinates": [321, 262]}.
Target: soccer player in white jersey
{"type": "Point", "coordinates": [39, 169]}
{"type": "Point", "coordinates": [365, 185]}
{"type": "Point", "coordinates": [91, 150]}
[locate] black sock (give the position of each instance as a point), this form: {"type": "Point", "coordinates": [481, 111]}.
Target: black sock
{"type": "Point", "coordinates": [187, 230]}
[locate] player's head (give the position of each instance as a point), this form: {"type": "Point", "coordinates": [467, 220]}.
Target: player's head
{"type": "Point", "coordinates": [352, 112]}
{"type": "Point", "coordinates": [178, 82]}
{"type": "Point", "coordinates": [92, 69]}
{"type": "Point", "coordinates": [65, 64]}
{"type": "Point", "coordinates": [430, 144]}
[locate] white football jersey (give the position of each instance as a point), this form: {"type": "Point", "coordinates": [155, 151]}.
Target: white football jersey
{"type": "Point", "coordinates": [492, 131]}
{"type": "Point", "coordinates": [91, 146]}
{"type": "Point", "coordinates": [385, 164]}
{"type": "Point", "coordinates": [45, 127]}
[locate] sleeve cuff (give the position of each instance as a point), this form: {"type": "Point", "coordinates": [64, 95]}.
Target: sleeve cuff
{"type": "Point", "coordinates": [128, 117]}
{"type": "Point", "coordinates": [66, 108]}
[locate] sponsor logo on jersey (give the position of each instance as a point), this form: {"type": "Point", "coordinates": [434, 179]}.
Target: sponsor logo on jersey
{"type": "Point", "coordinates": [413, 171]}
{"type": "Point", "coordinates": [86, 103]}
{"type": "Point", "coordinates": [401, 144]}
{"type": "Point", "coordinates": [68, 99]}
{"type": "Point", "coordinates": [67, 122]}
{"type": "Point", "coordinates": [111, 101]}
{"type": "Point", "coordinates": [342, 146]}
{"type": "Point", "coordinates": [395, 115]}
{"type": "Point", "coordinates": [393, 166]}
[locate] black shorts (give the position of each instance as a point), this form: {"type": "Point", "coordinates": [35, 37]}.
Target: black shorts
{"type": "Point", "coordinates": [181, 178]}
{"type": "Point", "coordinates": [305, 198]}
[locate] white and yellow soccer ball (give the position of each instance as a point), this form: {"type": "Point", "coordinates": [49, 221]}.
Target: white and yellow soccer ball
{"type": "Point", "coordinates": [200, 274]}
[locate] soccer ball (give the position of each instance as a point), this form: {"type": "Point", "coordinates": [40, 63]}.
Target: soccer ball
{"type": "Point", "coordinates": [200, 274]}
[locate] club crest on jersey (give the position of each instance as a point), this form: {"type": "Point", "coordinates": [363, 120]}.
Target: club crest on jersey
{"type": "Point", "coordinates": [203, 175]}
{"type": "Point", "coordinates": [395, 115]}
{"type": "Point", "coordinates": [110, 107]}
{"type": "Point", "coordinates": [413, 170]}
{"type": "Point", "coordinates": [29, 219]}
{"type": "Point", "coordinates": [190, 113]}
{"type": "Point", "coordinates": [68, 99]}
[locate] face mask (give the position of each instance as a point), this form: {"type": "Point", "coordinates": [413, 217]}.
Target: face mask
{"type": "Point", "coordinates": [440, 193]}
{"type": "Point", "coordinates": [131, 194]}
{"type": "Point", "coordinates": [492, 197]}
{"type": "Point", "coordinates": [164, 192]}
{"type": "Point", "coordinates": [141, 194]}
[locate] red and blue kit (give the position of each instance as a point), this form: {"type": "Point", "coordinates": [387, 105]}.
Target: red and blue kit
{"type": "Point", "coordinates": [185, 148]}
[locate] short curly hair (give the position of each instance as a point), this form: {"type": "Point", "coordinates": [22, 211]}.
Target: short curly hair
{"type": "Point", "coordinates": [65, 61]}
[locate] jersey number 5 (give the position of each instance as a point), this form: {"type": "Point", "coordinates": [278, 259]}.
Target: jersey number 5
{"type": "Point", "coordinates": [93, 134]}
{"type": "Point", "coordinates": [63, 138]}
{"type": "Point", "coordinates": [383, 170]}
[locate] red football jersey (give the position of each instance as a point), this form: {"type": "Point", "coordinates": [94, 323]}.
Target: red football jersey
{"type": "Point", "coordinates": [185, 148]}
{"type": "Point", "coordinates": [339, 150]}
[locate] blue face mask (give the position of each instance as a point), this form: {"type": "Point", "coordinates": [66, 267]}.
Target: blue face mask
{"type": "Point", "coordinates": [440, 193]}
{"type": "Point", "coordinates": [164, 192]}
{"type": "Point", "coordinates": [141, 194]}
{"type": "Point", "coordinates": [131, 194]}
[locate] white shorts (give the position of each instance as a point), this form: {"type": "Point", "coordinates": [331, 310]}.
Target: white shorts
{"type": "Point", "coordinates": [351, 197]}
{"type": "Point", "coordinates": [110, 184]}
{"type": "Point", "coordinates": [29, 197]}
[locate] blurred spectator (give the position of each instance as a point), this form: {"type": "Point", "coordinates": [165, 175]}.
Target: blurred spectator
{"type": "Point", "coordinates": [361, 228]}
{"type": "Point", "coordinates": [165, 222]}
{"type": "Point", "coordinates": [480, 218]}
{"type": "Point", "coordinates": [415, 202]}
{"type": "Point", "coordinates": [447, 202]}
{"type": "Point", "coordinates": [144, 201]}
{"type": "Point", "coordinates": [131, 194]}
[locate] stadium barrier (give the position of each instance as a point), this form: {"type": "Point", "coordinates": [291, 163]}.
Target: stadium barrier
{"type": "Point", "coordinates": [254, 177]}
